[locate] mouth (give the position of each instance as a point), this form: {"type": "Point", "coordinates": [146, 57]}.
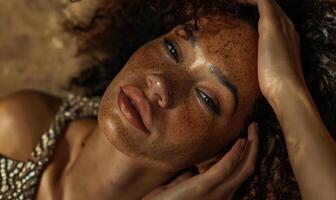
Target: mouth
{"type": "Point", "coordinates": [135, 107]}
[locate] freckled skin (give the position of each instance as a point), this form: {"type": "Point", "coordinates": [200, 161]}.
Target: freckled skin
{"type": "Point", "coordinates": [186, 132]}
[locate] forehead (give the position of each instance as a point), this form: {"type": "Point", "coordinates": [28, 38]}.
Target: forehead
{"type": "Point", "coordinates": [231, 44]}
{"type": "Point", "coordinates": [227, 34]}
{"type": "Point", "coordinates": [228, 42]}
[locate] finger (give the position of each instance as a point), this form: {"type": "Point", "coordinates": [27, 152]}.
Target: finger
{"type": "Point", "coordinates": [290, 33]}
{"type": "Point", "coordinates": [287, 25]}
{"type": "Point", "coordinates": [282, 15]}
{"type": "Point", "coordinates": [252, 151]}
{"type": "Point", "coordinates": [246, 166]}
{"type": "Point", "coordinates": [153, 194]}
{"type": "Point", "coordinates": [265, 7]}
{"type": "Point", "coordinates": [225, 166]}
{"type": "Point", "coordinates": [205, 165]}
{"type": "Point", "coordinates": [184, 176]}
{"type": "Point", "coordinates": [292, 36]}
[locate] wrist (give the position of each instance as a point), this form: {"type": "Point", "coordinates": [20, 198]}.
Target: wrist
{"type": "Point", "coordinates": [288, 94]}
{"type": "Point", "coordinates": [291, 103]}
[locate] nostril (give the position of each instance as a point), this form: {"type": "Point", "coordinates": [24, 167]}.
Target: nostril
{"type": "Point", "coordinates": [162, 101]}
{"type": "Point", "coordinates": [149, 82]}
{"type": "Point", "coordinates": [157, 90]}
{"type": "Point", "coordinates": [158, 96]}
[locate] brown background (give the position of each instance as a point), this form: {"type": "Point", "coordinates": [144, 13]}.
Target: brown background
{"type": "Point", "coordinates": [35, 52]}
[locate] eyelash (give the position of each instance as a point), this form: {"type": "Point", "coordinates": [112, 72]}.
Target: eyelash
{"type": "Point", "coordinates": [202, 95]}
{"type": "Point", "coordinates": [170, 47]}
{"type": "Point", "coordinates": [209, 101]}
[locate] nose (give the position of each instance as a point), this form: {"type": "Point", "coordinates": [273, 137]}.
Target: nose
{"type": "Point", "coordinates": [157, 87]}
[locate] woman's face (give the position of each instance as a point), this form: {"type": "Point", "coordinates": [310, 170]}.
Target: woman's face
{"type": "Point", "coordinates": [185, 96]}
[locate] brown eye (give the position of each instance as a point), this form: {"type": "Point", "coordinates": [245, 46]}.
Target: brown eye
{"type": "Point", "coordinates": [170, 47]}
{"type": "Point", "coordinates": [209, 101]}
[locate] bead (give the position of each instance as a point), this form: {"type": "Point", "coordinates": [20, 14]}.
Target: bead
{"type": "Point", "coordinates": [19, 165]}
{"type": "Point", "coordinates": [19, 180]}
{"type": "Point", "coordinates": [18, 184]}
{"type": "Point", "coordinates": [4, 188]}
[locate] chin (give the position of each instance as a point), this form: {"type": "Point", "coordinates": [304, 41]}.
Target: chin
{"type": "Point", "coordinates": [135, 148]}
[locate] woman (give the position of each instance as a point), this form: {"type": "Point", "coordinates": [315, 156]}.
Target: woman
{"type": "Point", "coordinates": [177, 102]}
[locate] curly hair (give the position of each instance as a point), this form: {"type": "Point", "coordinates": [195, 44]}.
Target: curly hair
{"type": "Point", "coordinates": [116, 33]}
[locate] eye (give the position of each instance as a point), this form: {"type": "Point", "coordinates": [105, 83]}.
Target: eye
{"type": "Point", "coordinates": [212, 104]}
{"type": "Point", "coordinates": [170, 47]}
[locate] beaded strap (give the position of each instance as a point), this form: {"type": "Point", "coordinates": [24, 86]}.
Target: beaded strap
{"type": "Point", "coordinates": [19, 180]}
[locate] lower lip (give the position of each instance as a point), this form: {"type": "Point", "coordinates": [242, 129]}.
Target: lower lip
{"type": "Point", "coordinates": [129, 112]}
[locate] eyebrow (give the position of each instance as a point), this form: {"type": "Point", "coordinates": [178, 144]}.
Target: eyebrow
{"type": "Point", "coordinates": [214, 70]}
{"type": "Point", "coordinates": [188, 28]}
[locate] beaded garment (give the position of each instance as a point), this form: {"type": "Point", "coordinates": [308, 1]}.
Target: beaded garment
{"type": "Point", "coordinates": [20, 180]}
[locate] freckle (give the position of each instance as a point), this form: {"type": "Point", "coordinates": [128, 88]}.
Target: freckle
{"type": "Point", "coordinates": [226, 43]}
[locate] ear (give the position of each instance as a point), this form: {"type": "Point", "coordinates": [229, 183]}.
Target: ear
{"type": "Point", "coordinates": [206, 164]}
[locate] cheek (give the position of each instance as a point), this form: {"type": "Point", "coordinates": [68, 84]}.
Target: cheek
{"type": "Point", "coordinates": [145, 58]}
{"type": "Point", "coordinates": [189, 123]}
{"type": "Point", "coordinates": [107, 115]}
{"type": "Point", "coordinates": [194, 134]}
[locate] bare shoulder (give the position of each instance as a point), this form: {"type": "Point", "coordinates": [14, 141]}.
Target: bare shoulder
{"type": "Point", "coordinates": [24, 117]}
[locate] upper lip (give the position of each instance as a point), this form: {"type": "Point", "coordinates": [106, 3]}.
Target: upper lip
{"type": "Point", "coordinates": [141, 102]}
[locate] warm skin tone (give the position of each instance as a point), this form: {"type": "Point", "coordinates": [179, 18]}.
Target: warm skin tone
{"type": "Point", "coordinates": [309, 144]}
{"type": "Point", "coordinates": [200, 87]}
{"type": "Point", "coordinates": [185, 129]}
{"type": "Point", "coordinates": [310, 147]}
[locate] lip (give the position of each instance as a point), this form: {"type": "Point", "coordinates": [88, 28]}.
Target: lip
{"type": "Point", "coordinates": [138, 114]}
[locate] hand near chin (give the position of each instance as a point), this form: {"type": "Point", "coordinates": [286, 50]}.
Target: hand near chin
{"type": "Point", "coordinates": [220, 180]}
{"type": "Point", "coordinates": [279, 62]}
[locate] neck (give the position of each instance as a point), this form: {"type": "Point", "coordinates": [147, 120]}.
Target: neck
{"type": "Point", "coordinates": [115, 174]}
